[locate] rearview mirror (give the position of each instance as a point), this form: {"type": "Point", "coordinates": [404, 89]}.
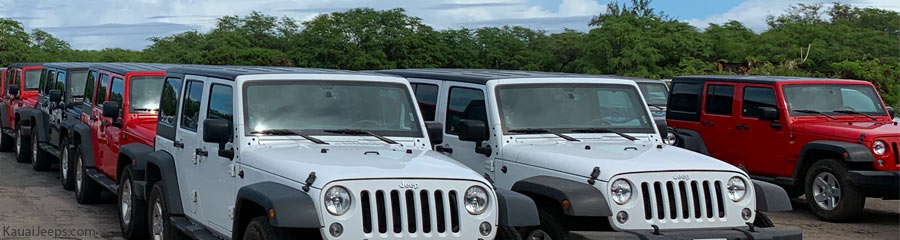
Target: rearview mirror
{"type": "Point", "coordinates": [55, 95]}
{"type": "Point", "coordinates": [891, 112]}
{"type": "Point", "coordinates": [111, 109]}
{"type": "Point", "coordinates": [471, 130]}
{"type": "Point", "coordinates": [435, 132]}
{"type": "Point", "coordinates": [768, 113]}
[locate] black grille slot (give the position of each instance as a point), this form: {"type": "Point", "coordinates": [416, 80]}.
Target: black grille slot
{"type": "Point", "coordinates": [411, 211]}
{"type": "Point", "coordinates": [454, 212]}
{"type": "Point", "coordinates": [439, 211]}
{"type": "Point", "coordinates": [707, 196]}
{"type": "Point", "coordinates": [682, 187]}
{"type": "Point", "coordinates": [395, 211]}
{"type": "Point", "coordinates": [695, 190]}
{"type": "Point", "coordinates": [660, 210]}
{"type": "Point", "coordinates": [382, 215]}
{"type": "Point", "coordinates": [426, 211]}
{"type": "Point", "coordinates": [366, 211]}
{"type": "Point", "coordinates": [719, 200]}
{"type": "Point", "coordinates": [670, 189]}
{"type": "Point", "coordinates": [896, 153]}
{"type": "Point", "coordinates": [648, 210]}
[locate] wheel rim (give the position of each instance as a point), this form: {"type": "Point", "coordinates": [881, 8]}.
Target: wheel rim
{"type": "Point", "coordinates": [826, 191]}
{"type": "Point", "coordinates": [157, 224]}
{"type": "Point", "coordinates": [125, 202]}
{"type": "Point", "coordinates": [79, 175]}
{"type": "Point", "coordinates": [538, 235]}
{"type": "Point", "coordinates": [18, 140]}
{"type": "Point", "coordinates": [64, 164]}
{"type": "Point", "coordinates": [34, 150]}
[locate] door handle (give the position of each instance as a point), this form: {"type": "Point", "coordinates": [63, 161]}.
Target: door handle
{"type": "Point", "coordinates": [178, 144]}
{"type": "Point", "coordinates": [742, 127]}
{"type": "Point", "coordinates": [708, 123]}
{"type": "Point", "coordinates": [201, 152]}
{"type": "Point", "coordinates": [443, 149]}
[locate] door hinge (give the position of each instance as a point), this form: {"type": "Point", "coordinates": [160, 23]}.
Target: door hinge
{"type": "Point", "coordinates": [231, 212]}
{"type": "Point", "coordinates": [232, 170]}
{"type": "Point", "coordinates": [195, 196]}
{"type": "Point", "coordinates": [195, 158]}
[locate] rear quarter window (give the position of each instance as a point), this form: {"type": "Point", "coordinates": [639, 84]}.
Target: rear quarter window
{"type": "Point", "coordinates": [684, 102]}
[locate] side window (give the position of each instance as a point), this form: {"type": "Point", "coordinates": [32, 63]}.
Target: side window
{"type": "Point", "coordinates": [190, 108]}
{"type": "Point", "coordinates": [101, 89]}
{"type": "Point", "coordinates": [684, 102]}
{"type": "Point", "coordinates": [168, 107]}
{"type": "Point", "coordinates": [33, 79]}
{"type": "Point", "coordinates": [719, 99]}
{"type": "Point", "coordinates": [465, 103]}
{"type": "Point", "coordinates": [45, 77]}
{"type": "Point", "coordinates": [426, 95]}
{"type": "Point", "coordinates": [49, 82]}
{"type": "Point", "coordinates": [117, 92]}
{"type": "Point", "coordinates": [16, 76]}
{"type": "Point", "coordinates": [755, 97]}
{"type": "Point", "coordinates": [60, 83]}
{"type": "Point", "coordinates": [89, 87]}
{"type": "Point", "coordinates": [221, 104]}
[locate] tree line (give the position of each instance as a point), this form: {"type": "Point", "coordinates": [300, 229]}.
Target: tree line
{"type": "Point", "coordinates": [840, 41]}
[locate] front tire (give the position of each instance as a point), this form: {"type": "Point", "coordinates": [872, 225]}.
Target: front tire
{"type": "Point", "coordinates": [132, 211]}
{"type": "Point", "coordinates": [6, 143]}
{"type": "Point", "coordinates": [160, 226]}
{"type": "Point", "coordinates": [762, 221]}
{"type": "Point", "coordinates": [39, 159]}
{"type": "Point", "coordinates": [260, 229]}
{"type": "Point", "coordinates": [23, 153]}
{"type": "Point", "coordinates": [830, 194]}
{"type": "Point", "coordinates": [66, 167]}
{"type": "Point", "coordinates": [551, 227]}
{"type": "Point", "coordinates": [87, 191]}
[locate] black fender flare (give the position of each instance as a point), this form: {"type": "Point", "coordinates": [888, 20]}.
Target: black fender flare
{"type": "Point", "coordinates": [584, 199]}
{"type": "Point", "coordinates": [293, 208]}
{"type": "Point", "coordinates": [66, 125]}
{"type": "Point", "coordinates": [771, 197]}
{"type": "Point", "coordinates": [4, 116]}
{"type": "Point", "coordinates": [851, 153]}
{"type": "Point", "coordinates": [516, 209]}
{"type": "Point", "coordinates": [40, 124]}
{"type": "Point", "coordinates": [168, 176]}
{"type": "Point", "coordinates": [83, 134]}
{"type": "Point", "coordinates": [24, 116]}
{"type": "Point", "coordinates": [136, 152]}
{"type": "Point", "coordinates": [690, 140]}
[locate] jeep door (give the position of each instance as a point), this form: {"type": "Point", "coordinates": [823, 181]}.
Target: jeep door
{"type": "Point", "coordinates": [48, 80]}
{"type": "Point", "coordinates": [464, 101]}
{"type": "Point", "coordinates": [216, 173]}
{"type": "Point", "coordinates": [187, 139]}
{"type": "Point", "coordinates": [54, 113]}
{"type": "Point", "coordinates": [718, 120]}
{"type": "Point", "coordinates": [762, 143]}
{"type": "Point", "coordinates": [98, 138]}
{"type": "Point", "coordinates": [112, 135]}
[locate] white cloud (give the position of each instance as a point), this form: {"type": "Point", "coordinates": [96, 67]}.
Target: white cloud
{"type": "Point", "coordinates": [753, 12]}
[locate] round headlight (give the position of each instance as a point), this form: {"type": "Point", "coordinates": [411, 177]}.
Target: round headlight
{"type": "Point", "coordinates": [670, 139]}
{"type": "Point", "coordinates": [737, 189]}
{"type": "Point", "coordinates": [337, 200]}
{"type": "Point", "coordinates": [476, 200]}
{"type": "Point", "coordinates": [879, 147]}
{"type": "Point", "coordinates": [621, 191]}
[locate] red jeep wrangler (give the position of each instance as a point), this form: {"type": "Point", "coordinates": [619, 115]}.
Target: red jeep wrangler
{"type": "Point", "coordinates": [832, 140]}
{"type": "Point", "coordinates": [118, 120]}
{"type": "Point", "coordinates": [22, 80]}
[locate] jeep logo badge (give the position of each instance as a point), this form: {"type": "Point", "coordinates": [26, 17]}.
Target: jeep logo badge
{"type": "Point", "coordinates": [410, 185]}
{"type": "Point", "coordinates": [682, 177]}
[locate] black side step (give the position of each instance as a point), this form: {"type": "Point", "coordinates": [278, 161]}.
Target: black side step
{"type": "Point", "coordinates": [102, 180]}
{"type": "Point", "coordinates": [50, 149]}
{"type": "Point", "coordinates": [193, 231]}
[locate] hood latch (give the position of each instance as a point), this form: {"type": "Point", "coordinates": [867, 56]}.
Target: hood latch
{"type": "Point", "coordinates": [309, 181]}
{"type": "Point", "coordinates": [594, 174]}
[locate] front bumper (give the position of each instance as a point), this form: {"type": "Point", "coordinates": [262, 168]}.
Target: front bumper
{"type": "Point", "coordinates": [775, 233]}
{"type": "Point", "coordinates": [883, 184]}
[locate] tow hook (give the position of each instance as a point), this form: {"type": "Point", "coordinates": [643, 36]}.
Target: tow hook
{"type": "Point", "coordinates": [309, 181]}
{"type": "Point", "coordinates": [594, 174]}
{"type": "Point", "coordinates": [655, 229]}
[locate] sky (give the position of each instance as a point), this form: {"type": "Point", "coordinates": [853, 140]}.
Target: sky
{"type": "Point", "coordinates": [98, 24]}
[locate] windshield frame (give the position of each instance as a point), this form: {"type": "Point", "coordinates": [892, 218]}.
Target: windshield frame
{"type": "Point", "coordinates": [879, 103]}
{"type": "Point", "coordinates": [642, 106]}
{"type": "Point", "coordinates": [419, 133]}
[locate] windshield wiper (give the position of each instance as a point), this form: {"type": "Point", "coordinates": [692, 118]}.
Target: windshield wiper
{"type": "Point", "coordinates": [286, 132]}
{"type": "Point", "coordinates": [855, 112]}
{"type": "Point", "coordinates": [815, 112]}
{"type": "Point", "coordinates": [540, 130]}
{"type": "Point", "coordinates": [146, 109]}
{"type": "Point", "coordinates": [605, 130]}
{"type": "Point", "coordinates": [362, 132]}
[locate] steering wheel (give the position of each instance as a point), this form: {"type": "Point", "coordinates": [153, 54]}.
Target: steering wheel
{"type": "Point", "coordinates": [360, 123]}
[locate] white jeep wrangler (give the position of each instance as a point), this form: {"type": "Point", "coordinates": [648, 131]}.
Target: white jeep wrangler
{"type": "Point", "coordinates": [586, 150]}
{"type": "Point", "coordinates": [284, 153]}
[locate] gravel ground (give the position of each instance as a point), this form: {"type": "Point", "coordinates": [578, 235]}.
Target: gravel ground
{"type": "Point", "coordinates": [31, 200]}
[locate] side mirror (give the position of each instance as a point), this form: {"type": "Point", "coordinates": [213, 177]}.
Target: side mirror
{"type": "Point", "coordinates": [435, 132]}
{"type": "Point", "coordinates": [111, 109]}
{"type": "Point", "coordinates": [216, 131]}
{"type": "Point", "coordinates": [768, 113]}
{"type": "Point", "coordinates": [472, 130]}
{"type": "Point", "coordinates": [13, 89]}
{"type": "Point", "coordinates": [891, 112]}
{"type": "Point", "coordinates": [55, 95]}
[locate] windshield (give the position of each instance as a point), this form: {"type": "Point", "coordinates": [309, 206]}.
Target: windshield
{"type": "Point", "coordinates": [145, 92]}
{"type": "Point", "coordinates": [567, 107]}
{"type": "Point", "coordinates": [314, 107]}
{"type": "Point", "coordinates": [32, 79]}
{"type": "Point", "coordinates": [828, 98]}
{"type": "Point", "coordinates": [656, 94]}
{"type": "Point", "coordinates": [76, 85]}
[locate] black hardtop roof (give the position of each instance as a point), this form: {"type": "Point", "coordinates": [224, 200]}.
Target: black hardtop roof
{"type": "Point", "coordinates": [67, 65]}
{"type": "Point", "coordinates": [753, 79]}
{"type": "Point", "coordinates": [481, 76]}
{"type": "Point", "coordinates": [125, 68]}
{"type": "Point", "coordinates": [232, 72]}
{"type": "Point", "coordinates": [26, 64]}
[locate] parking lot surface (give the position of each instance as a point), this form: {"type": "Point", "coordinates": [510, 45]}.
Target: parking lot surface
{"type": "Point", "coordinates": [33, 205]}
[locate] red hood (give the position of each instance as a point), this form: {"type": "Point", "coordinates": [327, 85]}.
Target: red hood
{"type": "Point", "coordinates": [143, 127]}
{"type": "Point", "coordinates": [848, 129]}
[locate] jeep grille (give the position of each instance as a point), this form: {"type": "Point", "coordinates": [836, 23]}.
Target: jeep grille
{"type": "Point", "coordinates": [424, 211]}
{"type": "Point", "coordinates": [683, 199]}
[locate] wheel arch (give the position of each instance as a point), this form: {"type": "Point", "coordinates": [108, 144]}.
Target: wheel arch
{"type": "Point", "coordinates": [584, 199]}
{"type": "Point", "coordinates": [159, 167]}
{"type": "Point", "coordinates": [301, 209]}
{"type": "Point", "coordinates": [855, 155]}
